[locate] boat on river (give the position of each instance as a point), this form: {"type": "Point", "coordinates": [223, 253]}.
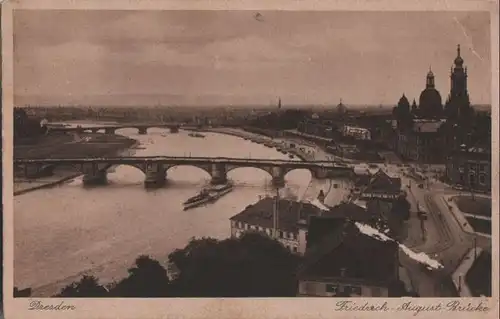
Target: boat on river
{"type": "Point", "coordinates": [196, 134]}
{"type": "Point", "coordinates": [208, 195]}
{"type": "Point", "coordinates": [201, 195]}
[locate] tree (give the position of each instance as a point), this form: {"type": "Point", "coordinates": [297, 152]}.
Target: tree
{"type": "Point", "coordinates": [251, 266]}
{"type": "Point", "coordinates": [88, 287]}
{"type": "Point", "coordinates": [146, 279]}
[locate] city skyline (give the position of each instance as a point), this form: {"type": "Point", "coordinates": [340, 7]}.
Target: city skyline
{"type": "Point", "coordinates": [243, 57]}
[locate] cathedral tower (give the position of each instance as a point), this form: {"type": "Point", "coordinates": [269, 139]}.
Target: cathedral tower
{"type": "Point", "coordinates": [458, 103]}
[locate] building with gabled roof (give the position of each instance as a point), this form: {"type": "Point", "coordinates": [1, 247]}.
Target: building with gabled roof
{"type": "Point", "coordinates": [340, 261]}
{"type": "Point", "coordinates": [380, 185]}
{"type": "Point", "coordinates": [291, 221]}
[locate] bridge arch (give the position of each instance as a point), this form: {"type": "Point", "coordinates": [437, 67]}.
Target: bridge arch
{"type": "Point", "coordinates": [110, 167]}
{"type": "Point", "coordinates": [267, 170]}
{"type": "Point", "coordinates": [296, 170]}
{"type": "Point", "coordinates": [170, 169]}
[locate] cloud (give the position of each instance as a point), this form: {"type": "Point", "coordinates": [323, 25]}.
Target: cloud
{"type": "Point", "coordinates": [301, 56]}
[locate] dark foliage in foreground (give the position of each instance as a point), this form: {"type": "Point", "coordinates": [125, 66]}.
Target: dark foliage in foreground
{"type": "Point", "coordinates": [251, 266]}
{"type": "Point", "coordinates": [88, 286]}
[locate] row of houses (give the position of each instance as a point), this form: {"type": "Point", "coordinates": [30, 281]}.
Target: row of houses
{"type": "Point", "coordinates": [335, 251]}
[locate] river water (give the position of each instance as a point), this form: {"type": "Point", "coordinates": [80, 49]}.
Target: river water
{"type": "Point", "coordinates": [66, 231]}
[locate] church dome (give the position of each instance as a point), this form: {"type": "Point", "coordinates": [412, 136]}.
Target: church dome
{"type": "Point", "coordinates": [404, 103]}
{"type": "Point", "coordinates": [458, 60]}
{"type": "Point", "coordinates": [341, 108]}
{"type": "Point", "coordinates": [430, 102]}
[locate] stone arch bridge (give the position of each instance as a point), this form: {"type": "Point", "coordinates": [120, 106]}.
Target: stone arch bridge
{"type": "Point", "coordinates": [111, 129]}
{"type": "Point", "coordinates": [155, 169]}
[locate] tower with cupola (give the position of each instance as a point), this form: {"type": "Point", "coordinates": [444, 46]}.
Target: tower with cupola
{"type": "Point", "coordinates": [458, 108]}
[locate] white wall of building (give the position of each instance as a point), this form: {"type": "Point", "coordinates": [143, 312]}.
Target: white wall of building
{"type": "Point", "coordinates": [290, 240]}
{"type": "Point", "coordinates": [331, 288]}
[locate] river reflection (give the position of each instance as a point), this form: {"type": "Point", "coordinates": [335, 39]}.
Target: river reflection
{"type": "Point", "coordinates": [63, 232]}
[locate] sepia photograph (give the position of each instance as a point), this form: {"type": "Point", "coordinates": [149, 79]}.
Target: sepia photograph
{"type": "Point", "coordinates": [252, 154]}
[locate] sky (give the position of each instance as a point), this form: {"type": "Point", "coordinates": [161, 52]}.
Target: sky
{"type": "Point", "coordinates": [140, 58]}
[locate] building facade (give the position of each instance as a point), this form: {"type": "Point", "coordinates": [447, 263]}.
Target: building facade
{"type": "Point", "coordinates": [470, 168]}
{"type": "Point", "coordinates": [427, 132]}
{"type": "Point", "coordinates": [358, 133]}
{"type": "Point", "coordinates": [380, 186]}
{"type": "Point", "coordinates": [336, 259]}
{"type": "Point", "coordinates": [289, 219]}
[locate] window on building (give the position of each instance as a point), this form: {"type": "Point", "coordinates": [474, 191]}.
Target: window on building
{"type": "Point", "coordinates": [233, 223]}
{"type": "Point", "coordinates": [356, 290]}
{"type": "Point", "coordinates": [333, 289]}
{"type": "Point", "coordinates": [482, 179]}
{"type": "Point", "coordinates": [309, 287]}
{"type": "Point", "coordinates": [482, 167]}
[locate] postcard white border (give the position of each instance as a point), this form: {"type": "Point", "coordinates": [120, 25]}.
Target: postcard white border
{"type": "Point", "coordinates": [227, 308]}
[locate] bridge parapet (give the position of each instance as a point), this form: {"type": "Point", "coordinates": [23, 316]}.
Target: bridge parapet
{"type": "Point", "coordinates": [155, 168]}
{"type": "Point", "coordinates": [111, 129]}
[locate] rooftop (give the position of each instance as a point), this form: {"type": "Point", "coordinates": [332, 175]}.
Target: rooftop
{"type": "Point", "coordinates": [380, 182]}
{"type": "Point", "coordinates": [427, 126]}
{"type": "Point", "coordinates": [289, 213]}
{"type": "Point", "coordinates": [342, 251]}
{"type": "Point", "coordinates": [347, 210]}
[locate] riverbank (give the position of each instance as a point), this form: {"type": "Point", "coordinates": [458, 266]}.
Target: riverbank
{"type": "Point", "coordinates": [103, 236]}
{"type": "Point", "coordinates": [84, 145]}
{"type": "Point", "coordinates": [306, 150]}
{"type": "Point", "coordinates": [277, 142]}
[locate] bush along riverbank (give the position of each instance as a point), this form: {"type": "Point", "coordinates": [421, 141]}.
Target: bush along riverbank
{"type": "Point", "coordinates": [83, 145]}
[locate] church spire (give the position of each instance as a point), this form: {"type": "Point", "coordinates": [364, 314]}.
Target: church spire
{"type": "Point", "coordinates": [430, 79]}
{"type": "Point", "coordinates": [458, 60]}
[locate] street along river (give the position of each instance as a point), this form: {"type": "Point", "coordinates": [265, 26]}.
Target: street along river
{"type": "Point", "coordinates": [66, 231]}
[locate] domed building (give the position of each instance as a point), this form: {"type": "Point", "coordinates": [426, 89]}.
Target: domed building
{"type": "Point", "coordinates": [341, 108]}
{"type": "Point", "coordinates": [402, 113]}
{"type": "Point", "coordinates": [434, 130]}
{"type": "Point", "coordinates": [430, 102]}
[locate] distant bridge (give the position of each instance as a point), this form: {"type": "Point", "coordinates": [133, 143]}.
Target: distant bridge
{"type": "Point", "coordinates": [111, 129]}
{"type": "Point", "coordinates": [155, 167]}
